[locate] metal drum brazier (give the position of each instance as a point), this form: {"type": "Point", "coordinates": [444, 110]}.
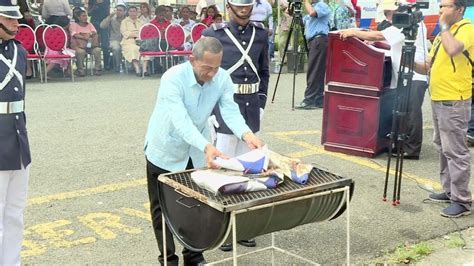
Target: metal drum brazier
{"type": "Point", "coordinates": [201, 220]}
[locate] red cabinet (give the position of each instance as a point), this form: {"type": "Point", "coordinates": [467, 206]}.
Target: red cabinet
{"type": "Point", "coordinates": [358, 102]}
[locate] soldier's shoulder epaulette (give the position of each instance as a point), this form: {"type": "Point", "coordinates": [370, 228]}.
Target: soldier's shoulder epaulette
{"type": "Point", "coordinates": [15, 41]}
{"type": "Point", "coordinates": [258, 25]}
{"type": "Point", "coordinates": [219, 26]}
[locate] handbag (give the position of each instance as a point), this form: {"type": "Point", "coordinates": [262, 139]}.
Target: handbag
{"type": "Point", "coordinates": [149, 45]}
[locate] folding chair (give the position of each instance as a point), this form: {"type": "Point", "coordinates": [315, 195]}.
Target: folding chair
{"type": "Point", "coordinates": [147, 32]}
{"type": "Point", "coordinates": [26, 36]}
{"type": "Point", "coordinates": [176, 37]}
{"type": "Point", "coordinates": [55, 39]}
{"type": "Point", "coordinates": [196, 31]}
{"type": "Point", "coordinates": [39, 38]}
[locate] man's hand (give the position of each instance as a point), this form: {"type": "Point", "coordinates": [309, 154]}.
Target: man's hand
{"type": "Point", "coordinates": [211, 153]}
{"type": "Point", "coordinates": [344, 34]}
{"type": "Point", "coordinates": [252, 141]}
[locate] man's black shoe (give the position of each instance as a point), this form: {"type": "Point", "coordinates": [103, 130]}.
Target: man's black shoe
{"type": "Point", "coordinates": [439, 197]}
{"type": "Point", "coordinates": [226, 247]}
{"type": "Point", "coordinates": [455, 210]}
{"type": "Point", "coordinates": [306, 106]}
{"type": "Point", "coordinates": [406, 156]}
{"type": "Point", "coordinates": [248, 243]}
{"type": "Point", "coordinates": [470, 139]}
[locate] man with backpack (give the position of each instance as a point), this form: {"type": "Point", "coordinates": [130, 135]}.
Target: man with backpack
{"type": "Point", "coordinates": [450, 69]}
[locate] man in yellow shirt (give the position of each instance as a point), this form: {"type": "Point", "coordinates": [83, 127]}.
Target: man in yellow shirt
{"type": "Point", "coordinates": [450, 72]}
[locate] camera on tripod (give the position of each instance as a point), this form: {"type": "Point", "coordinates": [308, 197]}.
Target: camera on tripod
{"type": "Point", "coordinates": [407, 17]}
{"type": "Point", "coordinates": [295, 6]}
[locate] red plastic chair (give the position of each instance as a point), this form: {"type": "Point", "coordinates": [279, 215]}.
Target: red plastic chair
{"type": "Point", "coordinates": [176, 37]}
{"type": "Point", "coordinates": [26, 36]}
{"type": "Point", "coordinates": [55, 39]}
{"type": "Point", "coordinates": [196, 31]}
{"type": "Point", "coordinates": [39, 38]}
{"type": "Point", "coordinates": [149, 31]}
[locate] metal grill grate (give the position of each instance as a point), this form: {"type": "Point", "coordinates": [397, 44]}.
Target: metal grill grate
{"type": "Point", "coordinates": [319, 180]}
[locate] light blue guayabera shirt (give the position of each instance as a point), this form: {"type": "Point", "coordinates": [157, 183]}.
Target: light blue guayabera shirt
{"type": "Point", "coordinates": [178, 129]}
{"type": "Point", "coordinates": [319, 24]}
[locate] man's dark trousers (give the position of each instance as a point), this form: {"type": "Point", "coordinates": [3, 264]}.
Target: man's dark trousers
{"type": "Point", "coordinates": [313, 94]}
{"type": "Point", "coordinates": [415, 118]}
{"type": "Point", "coordinates": [190, 257]}
{"type": "Point", "coordinates": [470, 130]}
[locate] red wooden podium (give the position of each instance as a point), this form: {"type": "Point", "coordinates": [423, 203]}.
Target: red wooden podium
{"type": "Point", "coordinates": [357, 102]}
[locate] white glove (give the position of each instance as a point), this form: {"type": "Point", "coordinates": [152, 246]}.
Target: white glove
{"type": "Point", "coordinates": [261, 114]}
{"type": "Point", "coordinates": [213, 124]}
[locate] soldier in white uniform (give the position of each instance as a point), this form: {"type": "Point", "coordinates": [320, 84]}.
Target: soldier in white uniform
{"type": "Point", "coordinates": [14, 148]}
{"type": "Point", "coordinates": [245, 57]}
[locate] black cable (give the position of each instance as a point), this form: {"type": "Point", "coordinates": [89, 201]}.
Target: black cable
{"type": "Point", "coordinates": [428, 201]}
{"type": "Point", "coordinates": [458, 229]}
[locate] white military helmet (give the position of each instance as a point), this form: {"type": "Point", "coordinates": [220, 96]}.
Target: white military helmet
{"type": "Point", "coordinates": [10, 9]}
{"type": "Point", "coordinates": [241, 2]}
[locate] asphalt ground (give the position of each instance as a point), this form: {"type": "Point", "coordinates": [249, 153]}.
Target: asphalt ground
{"type": "Point", "coordinates": [87, 192]}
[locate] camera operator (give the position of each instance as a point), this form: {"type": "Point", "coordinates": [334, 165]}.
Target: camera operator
{"type": "Point", "coordinates": [451, 90]}
{"type": "Point", "coordinates": [395, 38]}
{"type": "Point", "coordinates": [317, 28]}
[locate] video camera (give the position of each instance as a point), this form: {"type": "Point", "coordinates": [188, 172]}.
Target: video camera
{"type": "Point", "coordinates": [407, 16]}
{"type": "Point", "coordinates": [295, 6]}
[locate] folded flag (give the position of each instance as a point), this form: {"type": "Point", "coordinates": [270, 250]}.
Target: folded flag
{"type": "Point", "coordinates": [253, 162]}
{"type": "Point", "coordinates": [256, 170]}
{"type": "Point", "coordinates": [224, 182]}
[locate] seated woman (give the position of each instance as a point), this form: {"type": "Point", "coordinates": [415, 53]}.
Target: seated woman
{"type": "Point", "coordinates": [85, 40]}
{"type": "Point", "coordinates": [145, 13]}
{"type": "Point", "coordinates": [130, 29]}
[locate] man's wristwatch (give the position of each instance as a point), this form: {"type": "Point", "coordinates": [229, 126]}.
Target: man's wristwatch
{"type": "Point", "coordinates": [444, 27]}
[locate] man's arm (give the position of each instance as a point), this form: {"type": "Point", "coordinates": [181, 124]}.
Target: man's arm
{"type": "Point", "coordinates": [309, 8]}
{"type": "Point", "coordinates": [452, 46]}
{"type": "Point", "coordinates": [423, 68]}
{"type": "Point", "coordinates": [104, 24]}
{"type": "Point", "coordinates": [320, 10]}
{"type": "Point", "coordinates": [363, 35]}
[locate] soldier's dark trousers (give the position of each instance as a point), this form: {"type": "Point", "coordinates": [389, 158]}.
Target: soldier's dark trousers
{"type": "Point", "coordinates": [316, 70]}
{"type": "Point", "coordinates": [190, 257]}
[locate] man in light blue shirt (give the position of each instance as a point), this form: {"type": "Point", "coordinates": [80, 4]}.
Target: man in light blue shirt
{"type": "Point", "coordinates": [176, 137]}
{"type": "Point", "coordinates": [316, 34]}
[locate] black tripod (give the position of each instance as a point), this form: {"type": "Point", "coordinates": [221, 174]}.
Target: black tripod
{"type": "Point", "coordinates": [398, 134]}
{"type": "Point", "coordinates": [298, 26]}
